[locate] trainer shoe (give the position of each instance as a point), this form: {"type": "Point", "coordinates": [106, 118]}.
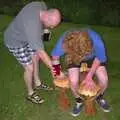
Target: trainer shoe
{"type": "Point", "coordinates": [77, 109]}
{"type": "Point", "coordinates": [103, 104]}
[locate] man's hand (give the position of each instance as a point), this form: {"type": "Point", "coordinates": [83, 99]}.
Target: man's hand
{"type": "Point", "coordinates": [54, 75]}
{"type": "Point", "coordinates": [88, 76]}
{"type": "Point", "coordinates": [61, 76]}
{"type": "Point", "coordinates": [53, 72]}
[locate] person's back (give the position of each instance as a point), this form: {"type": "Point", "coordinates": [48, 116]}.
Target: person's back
{"type": "Point", "coordinates": [15, 34]}
{"type": "Point", "coordinates": [84, 50]}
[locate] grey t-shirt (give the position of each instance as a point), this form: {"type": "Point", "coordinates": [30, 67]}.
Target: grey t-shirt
{"type": "Point", "coordinates": [26, 28]}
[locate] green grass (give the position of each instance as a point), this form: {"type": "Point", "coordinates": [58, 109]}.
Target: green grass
{"type": "Point", "coordinates": [13, 106]}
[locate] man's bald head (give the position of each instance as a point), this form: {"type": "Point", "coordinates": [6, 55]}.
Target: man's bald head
{"type": "Point", "coordinates": [50, 18]}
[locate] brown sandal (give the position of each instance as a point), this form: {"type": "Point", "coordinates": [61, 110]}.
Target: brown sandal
{"type": "Point", "coordinates": [43, 87]}
{"type": "Point", "coordinates": [35, 98]}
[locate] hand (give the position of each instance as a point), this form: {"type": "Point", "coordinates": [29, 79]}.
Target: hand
{"type": "Point", "coordinates": [86, 77]}
{"type": "Point", "coordinates": [87, 80]}
{"type": "Point", "coordinates": [53, 73]}
{"type": "Point", "coordinates": [56, 68]}
{"type": "Point", "coordinates": [61, 76]}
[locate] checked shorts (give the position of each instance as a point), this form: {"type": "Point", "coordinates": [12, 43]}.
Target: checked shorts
{"type": "Point", "coordinates": [23, 54]}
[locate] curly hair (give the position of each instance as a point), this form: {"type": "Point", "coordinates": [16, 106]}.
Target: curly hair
{"type": "Point", "coordinates": [76, 46]}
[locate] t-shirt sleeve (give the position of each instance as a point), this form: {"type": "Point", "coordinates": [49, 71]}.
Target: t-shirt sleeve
{"type": "Point", "coordinates": [58, 50]}
{"type": "Point", "coordinates": [98, 46]}
{"type": "Point", "coordinates": [33, 33]}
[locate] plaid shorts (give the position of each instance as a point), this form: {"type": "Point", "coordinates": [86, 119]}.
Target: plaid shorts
{"type": "Point", "coordinates": [23, 54]}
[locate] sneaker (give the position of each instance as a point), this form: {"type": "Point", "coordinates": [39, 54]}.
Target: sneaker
{"type": "Point", "coordinates": [35, 98]}
{"type": "Point", "coordinates": [43, 87]}
{"type": "Point", "coordinates": [77, 109]}
{"type": "Point", "coordinates": [103, 105]}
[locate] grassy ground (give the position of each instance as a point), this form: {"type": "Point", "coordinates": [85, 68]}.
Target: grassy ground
{"type": "Point", "coordinates": [13, 106]}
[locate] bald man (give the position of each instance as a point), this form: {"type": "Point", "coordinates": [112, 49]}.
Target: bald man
{"type": "Point", "coordinates": [24, 39]}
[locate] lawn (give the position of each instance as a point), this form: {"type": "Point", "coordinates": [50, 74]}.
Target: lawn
{"type": "Point", "coordinates": [14, 106]}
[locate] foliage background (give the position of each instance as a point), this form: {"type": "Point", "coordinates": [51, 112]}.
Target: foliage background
{"type": "Point", "coordinates": [97, 12]}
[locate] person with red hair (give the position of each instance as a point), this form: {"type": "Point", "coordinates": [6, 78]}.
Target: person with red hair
{"type": "Point", "coordinates": [82, 46]}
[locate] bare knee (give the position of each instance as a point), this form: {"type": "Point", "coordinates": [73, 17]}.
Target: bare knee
{"type": "Point", "coordinates": [29, 68]}
{"type": "Point", "coordinates": [102, 76]}
{"type": "Point", "coordinates": [104, 82]}
{"type": "Point", "coordinates": [35, 58]}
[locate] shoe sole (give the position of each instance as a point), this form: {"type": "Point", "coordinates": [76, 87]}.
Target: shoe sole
{"type": "Point", "coordinates": [45, 89]}
{"type": "Point", "coordinates": [36, 102]}
{"type": "Point", "coordinates": [75, 115]}
{"type": "Point", "coordinates": [105, 110]}
{"type": "Point", "coordinates": [102, 108]}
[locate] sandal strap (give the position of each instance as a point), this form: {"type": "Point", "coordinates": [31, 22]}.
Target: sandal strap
{"type": "Point", "coordinates": [35, 98]}
{"type": "Point", "coordinates": [44, 87]}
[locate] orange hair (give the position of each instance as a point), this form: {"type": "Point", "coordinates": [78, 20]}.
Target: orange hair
{"type": "Point", "coordinates": [76, 46]}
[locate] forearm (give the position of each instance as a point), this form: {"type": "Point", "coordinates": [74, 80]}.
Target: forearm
{"type": "Point", "coordinates": [95, 65]}
{"type": "Point", "coordinates": [45, 58]}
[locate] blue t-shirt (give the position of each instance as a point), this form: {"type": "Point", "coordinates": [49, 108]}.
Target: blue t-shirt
{"type": "Point", "coordinates": [98, 47]}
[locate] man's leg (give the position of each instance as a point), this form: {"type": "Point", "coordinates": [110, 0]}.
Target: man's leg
{"type": "Point", "coordinates": [102, 76]}
{"type": "Point", "coordinates": [36, 74]}
{"type": "Point", "coordinates": [37, 82]}
{"type": "Point", "coordinates": [24, 58]}
{"type": "Point", "coordinates": [28, 77]}
{"type": "Point", "coordinates": [73, 74]}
